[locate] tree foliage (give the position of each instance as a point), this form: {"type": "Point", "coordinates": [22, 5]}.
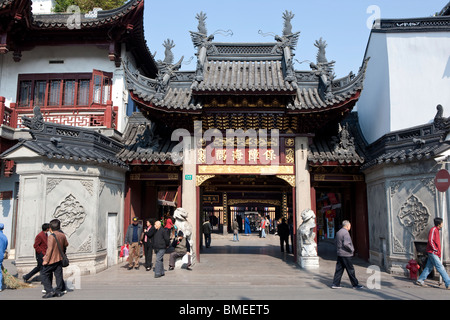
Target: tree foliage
{"type": "Point", "coordinates": [87, 5]}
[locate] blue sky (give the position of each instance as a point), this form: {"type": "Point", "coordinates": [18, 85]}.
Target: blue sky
{"type": "Point", "coordinates": [341, 23]}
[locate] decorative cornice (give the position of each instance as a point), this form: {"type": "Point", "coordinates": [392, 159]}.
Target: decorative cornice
{"type": "Point", "coordinates": [429, 24]}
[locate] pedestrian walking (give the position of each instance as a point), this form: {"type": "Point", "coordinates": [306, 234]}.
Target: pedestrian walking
{"type": "Point", "coordinates": [434, 254]}
{"type": "Point", "coordinates": [262, 225]}
{"type": "Point", "coordinates": [345, 250]}
{"type": "Point", "coordinates": [52, 261]}
{"type": "Point", "coordinates": [147, 240]}
{"type": "Point", "coordinates": [133, 239]}
{"type": "Point", "coordinates": [182, 247]}
{"type": "Point", "coordinates": [161, 241]}
{"type": "Point", "coordinates": [168, 225]}
{"type": "Point", "coordinates": [3, 247]}
{"type": "Point", "coordinates": [247, 229]}
{"type": "Point", "coordinates": [235, 227]}
{"type": "Point", "coordinates": [40, 248]}
{"type": "Point", "coordinates": [207, 229]}
{"type": "Point", "coordinates": [283, 232]}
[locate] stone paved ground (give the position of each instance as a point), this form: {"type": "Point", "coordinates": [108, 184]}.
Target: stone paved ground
{"type": "Point", "coordinates": [251, 269]}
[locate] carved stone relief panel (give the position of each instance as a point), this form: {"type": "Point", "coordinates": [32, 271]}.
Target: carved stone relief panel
{"type": "Point", "coordinates": [414, 216]}
{"type": "Point", "coordinates": [71, 214]}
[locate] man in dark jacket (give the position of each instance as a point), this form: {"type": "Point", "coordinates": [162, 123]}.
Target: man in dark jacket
{"type": "Point", "coordinates": [161, 241]}
{"type": "Point", "coordinates": [283, 232]}
{"type": "Point", "coordinates": [40, 247]}
{"type": "Point", "coordinates": [345, 250]}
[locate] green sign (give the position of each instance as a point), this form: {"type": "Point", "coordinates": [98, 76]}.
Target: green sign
{"type": "Point", "coordinates": [188, 177]}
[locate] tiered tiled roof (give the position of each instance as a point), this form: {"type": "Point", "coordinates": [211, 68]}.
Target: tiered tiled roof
{"type": "Point", "coordinates": [141, 143]}
{"type": "Point", "coordinates": [347, 147]}
{"type": "Point", "coordinates": [258, 69]}
{"type": "Point", "coordinates": [109, 28]}
{"type": "Point", "coordinates": [413, 144]}
{"type": "Point", "coordinates": [246, 77]}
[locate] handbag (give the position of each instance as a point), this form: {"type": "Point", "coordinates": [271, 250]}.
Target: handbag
{"type": "Point", "coordinates": [65, 260]}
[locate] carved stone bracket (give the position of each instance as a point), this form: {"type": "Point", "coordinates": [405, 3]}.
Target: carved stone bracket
{"type": "Point", "coordinates": [52, 183]}
{"type": "Point", "coordinates": [89, 185]}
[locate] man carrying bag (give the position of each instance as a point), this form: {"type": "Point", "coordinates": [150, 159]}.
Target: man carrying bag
{"type": "Point", "coordinates": [54, 260]}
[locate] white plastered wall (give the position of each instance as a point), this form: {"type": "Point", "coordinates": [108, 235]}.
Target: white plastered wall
{"type": "Point", "coordinates": [407, 77]}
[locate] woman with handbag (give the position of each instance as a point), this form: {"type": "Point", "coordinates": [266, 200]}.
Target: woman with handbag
{"type": "Point", "coordinates": [53, 260]}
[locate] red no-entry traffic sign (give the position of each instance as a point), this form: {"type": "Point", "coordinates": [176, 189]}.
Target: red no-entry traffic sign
{"type": "Point", "coordinates": [442, 180]}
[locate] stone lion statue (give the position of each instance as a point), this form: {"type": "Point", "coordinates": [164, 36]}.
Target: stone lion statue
{"type": "Point", "coordinates": [307, 234]}
{"type": "Point", "coordinates": [181, 222]}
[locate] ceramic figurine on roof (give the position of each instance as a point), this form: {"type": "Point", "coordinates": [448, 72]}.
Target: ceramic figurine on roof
{"type": "Point", "coordinates": [288, 39]}
{"type": "Point", "coordinates": [287, 16]}
{"type": "Point", "coordinates": [440, 121]}
{"type": "Point", "coordinates": [37, 122]}
{"type": "Point", "coordinates": [202, 42]}
{"type": "Point", "coordinates": [324, 70]}
{"type": "Point", "coordinates": [166, 69]}
{"type": "Point", "coordinates": [286, 44]}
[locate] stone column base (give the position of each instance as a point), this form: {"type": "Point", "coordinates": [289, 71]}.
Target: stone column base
{"type": "Point", "coordinates": [309, 262]}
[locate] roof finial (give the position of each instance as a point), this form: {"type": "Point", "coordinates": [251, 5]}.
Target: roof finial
{"type": "Point", "coordinates": [321, 45]}
{"type": "Point", "coordinates": [201, 17]}
{"type": "Point", "coordinates": [168, 55]}
{"type": "Point", "coordinates": [287, 16]}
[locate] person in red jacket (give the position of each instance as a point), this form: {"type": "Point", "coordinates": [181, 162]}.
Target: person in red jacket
{"type": "Point", "coordinates": [434, 254]}
{"type": "Point", "coordinates": [40, 246]}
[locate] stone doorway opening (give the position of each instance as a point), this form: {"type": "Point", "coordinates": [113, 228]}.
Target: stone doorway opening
{"type": "Point", "coordinates": [226, 198]}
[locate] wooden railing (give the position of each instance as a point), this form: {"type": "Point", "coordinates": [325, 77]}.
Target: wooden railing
{"type": "Point", "coordinates": [8, 116]}
{"type": "Point", "coordinates": [96, 115]}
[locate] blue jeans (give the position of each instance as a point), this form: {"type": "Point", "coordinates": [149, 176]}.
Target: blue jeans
{"type": "Point", "coordinates": [235, 237]}
{"type": "Point", "coordinates": [433, 261]}
{"type": "Point", "coordinates": [1, 275]}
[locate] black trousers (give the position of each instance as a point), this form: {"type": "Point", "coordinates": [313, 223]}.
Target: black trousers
{"type": "Point", "coordinates": [47, 272]}
{"type": "Point", "coordinates": [341, 264]}
{"type": "Point", "coordinates": [283, 242]}
{"type": "Point", "coordinates": [38, 268]}
{"type": "Point", "coordinates": [148, 254]}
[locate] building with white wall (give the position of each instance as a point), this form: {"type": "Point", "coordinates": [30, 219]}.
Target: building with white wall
{"type": "Point", "coordinates": [408, 75]}
{"type": "Point", "coordinates": [70, 65]}
{"type": "Point", "coordinates": [407, 78]}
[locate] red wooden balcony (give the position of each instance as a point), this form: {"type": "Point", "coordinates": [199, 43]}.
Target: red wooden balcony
{"type": "Point", "coordinates": [96, 115]}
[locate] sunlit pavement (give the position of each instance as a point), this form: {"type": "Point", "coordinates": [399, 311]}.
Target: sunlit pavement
{"type": "Point", "coordinates": [252, 269]}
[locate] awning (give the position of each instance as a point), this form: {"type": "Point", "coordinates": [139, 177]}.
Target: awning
{"type": "Point", "coordinates": [167, 198]}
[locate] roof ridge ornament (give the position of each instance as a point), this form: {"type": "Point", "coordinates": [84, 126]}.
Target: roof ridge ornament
{"type": "Point", "coordinates": [286, 44]}
{"type": "Point", "coordinates": [201, 17]}
{"type": "Point", "coordinates": [287, 16]}
{"type": "Point", "coordinates": [202, 42]}
{"type": "Point", "coordinates": [323, 69]}
{"type": "Point", "coordinates": [37, 122]}
{"type": "Point", "coordinates": [166, 69]}
{"type": "Point", "coordinates": [441, 122]}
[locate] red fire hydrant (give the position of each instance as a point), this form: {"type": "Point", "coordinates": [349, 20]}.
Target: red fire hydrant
{"type": "Point", "coordinates": [413, 268]}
